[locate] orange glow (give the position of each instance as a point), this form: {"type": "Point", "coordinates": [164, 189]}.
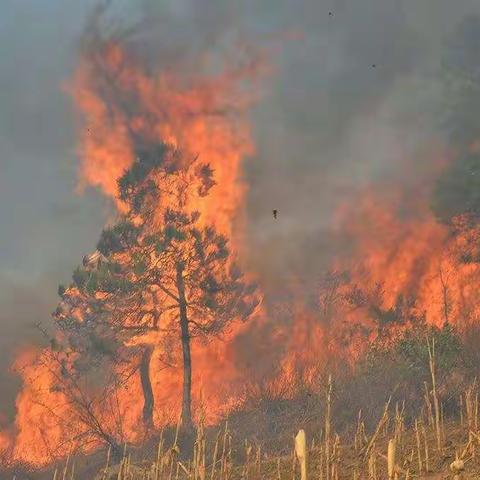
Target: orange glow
{"type": "Point", "coordinates": [412, 255]}
{"type": "Point", "coordinates": [402, 253]}
{"type": "Point", "coordinates": [205, 118]}
{"type": "Point", "coordinates": [34, 403]}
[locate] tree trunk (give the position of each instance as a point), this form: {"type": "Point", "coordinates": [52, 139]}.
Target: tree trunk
{"type": "Point", "coordinates": [116, 452]}
{"type": "Point", "coordinates": [148, 398]}
{"type": "Point", "coordinates": [186, 418]}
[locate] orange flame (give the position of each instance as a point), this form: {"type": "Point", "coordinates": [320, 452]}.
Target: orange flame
{"type": "Point", "coordinates": [406, 253]}
{"type": "Point", "coordinates": [205, 118]}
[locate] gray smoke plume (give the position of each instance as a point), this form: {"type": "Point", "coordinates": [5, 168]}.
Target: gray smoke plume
{"type": "Point", "coordinates": [355, 95]}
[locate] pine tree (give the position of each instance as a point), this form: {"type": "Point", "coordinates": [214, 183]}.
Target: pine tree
{"type": "Point", "coordinates": [158, 269]}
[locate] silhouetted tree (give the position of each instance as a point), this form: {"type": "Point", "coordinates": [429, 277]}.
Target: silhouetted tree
{"type": "Point", "coordinates": [158, 269]}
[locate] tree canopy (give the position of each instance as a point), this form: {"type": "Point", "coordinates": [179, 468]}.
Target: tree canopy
{"type": "Point", "coordinates": [157, 269]}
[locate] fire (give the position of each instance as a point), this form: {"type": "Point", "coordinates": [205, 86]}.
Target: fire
{"type": "Point", "coordinates": [411, 254]}
{"type": "Point", "coordinates": [205, 118]}
{"type": "Point", "coordinates": [5, 442]}
{"type": "Point", "coordinates": [35, 405]}
{"type": "Point", "coordinates": [395, 252]}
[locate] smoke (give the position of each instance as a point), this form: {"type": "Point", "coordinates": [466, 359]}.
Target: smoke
{"type": "Point", "coordinates": [357, 103]}
{"type": "Point", "coordinates": [354, 100]}
{"type": "Point", "coordinates": [46, 226]}
{"type": "Point", "coordinates": [22, 306]}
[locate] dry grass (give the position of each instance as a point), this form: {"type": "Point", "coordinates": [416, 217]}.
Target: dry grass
{"type": "Point", "coordinates": [395, 448]}
{"type": "Point", "coordinates": [427, 448]}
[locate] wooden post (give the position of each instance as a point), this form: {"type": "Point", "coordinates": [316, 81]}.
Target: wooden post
{"type": "Point", "coordinates": [301, 451]}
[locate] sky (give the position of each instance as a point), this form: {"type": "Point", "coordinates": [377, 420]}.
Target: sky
{"type": "Point", "coordinates": [328, 120]}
